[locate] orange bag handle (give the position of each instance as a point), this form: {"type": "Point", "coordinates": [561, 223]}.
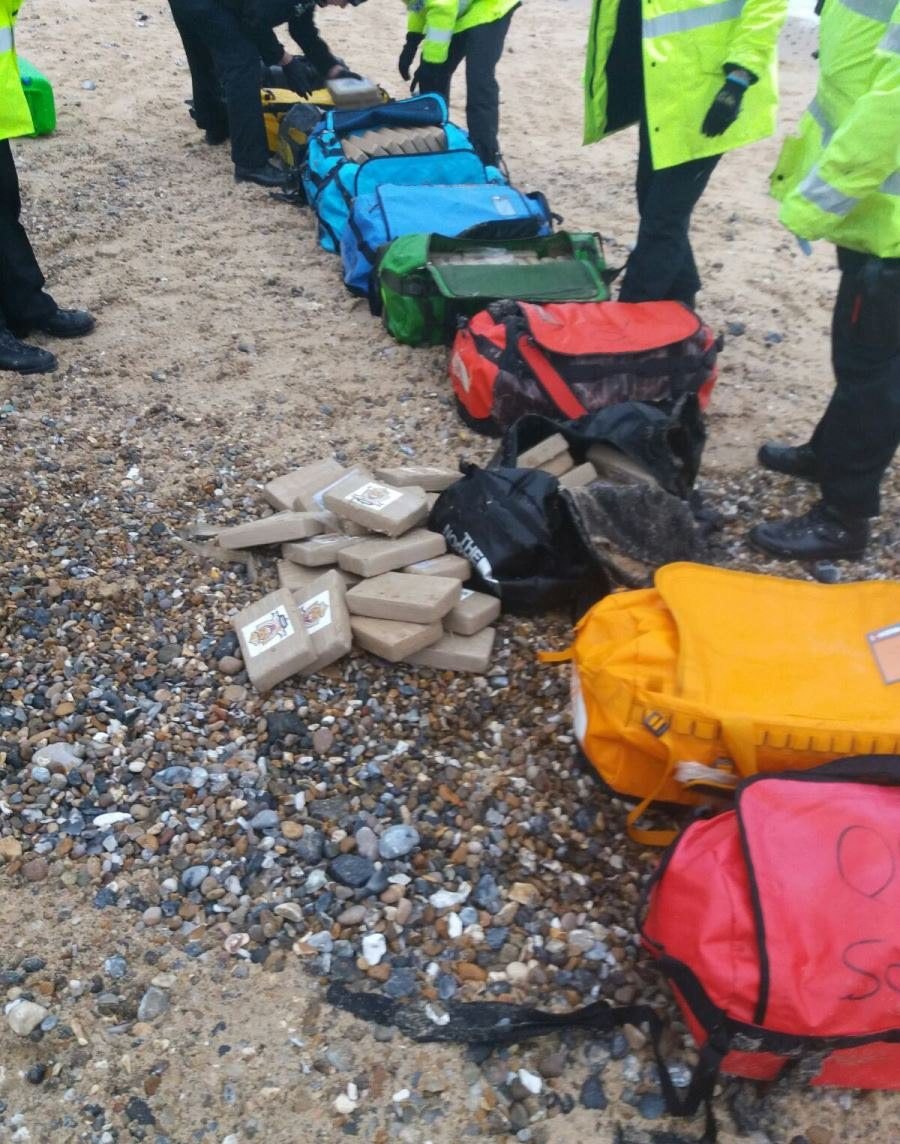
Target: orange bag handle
{"type": "Point", "coordinates": [563, 656]}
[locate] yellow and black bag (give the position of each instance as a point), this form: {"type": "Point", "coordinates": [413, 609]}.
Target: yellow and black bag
{"type": "Point", "coordinates": [736, 671]}
{"type": "Point", "coordinates": [277, 102]}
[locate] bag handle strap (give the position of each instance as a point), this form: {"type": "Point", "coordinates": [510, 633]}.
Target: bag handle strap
{"type": "Point", "coordinates": [551, 381]}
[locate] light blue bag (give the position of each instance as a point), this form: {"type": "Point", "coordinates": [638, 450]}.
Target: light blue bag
{"type": "Point", "coordinates": [332, 181]}
{"type": "Point", "coordinates": [472, 210]}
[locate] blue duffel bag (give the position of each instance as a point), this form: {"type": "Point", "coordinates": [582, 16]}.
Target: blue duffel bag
{"type": "Point", "coordinates": [473, 210]}
{"type": "Point", "coordinates": [336, 172]}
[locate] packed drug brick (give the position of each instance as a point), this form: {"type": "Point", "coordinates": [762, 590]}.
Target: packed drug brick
{"type": "Point", "coordinates": [296, 578]}
{"type": "Point", "coordinates": [274, 529]}
{"type": "Point", "coordinates": [273, 638]}
{"type": "Point", "coordinates": [456, 567]}
{"type": "Point", "coordinates": [458, 653]}
{"type": "Point", "coordinates": [393, 640]}
{"type": "Point", "coordinates": [475, 610]}
{"type": "Point", "coordinates": [538, 455]}
{"type": "Point", "coordinates": [323, 607]}
{"type": "Point", "coordinates": [372, 557]}
{"type": "Point", "coordinates": [574, 479]}
{"type": "Point", "coordinates": [431, 478]}
{"type": "Point", "coordinates": [558, 466]}
{"type": "Point", "coordinates": [399, 596]}
{"type": "Point", "coordinates": [318, 550]}
{"type": "Point", "coordinates": [613, 465]}
{"type": "Point", "coordinates": [376, 505]}
{"type": "Point", "coordinates": [298, 489]}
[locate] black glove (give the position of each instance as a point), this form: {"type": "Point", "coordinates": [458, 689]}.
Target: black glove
{"type": "Point", "coordinates": [725, 107]}
{"type": "Point", "coordinates": [413, 39]}
{"type": "Point", "coordinates": [301, 76]}
{"type": "Point", "coordinates": [428, 77]}
{"type": "Point", "coordinates": [345, 73]}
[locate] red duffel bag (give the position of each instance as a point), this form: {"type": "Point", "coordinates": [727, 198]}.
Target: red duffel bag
{"type": "Point", "coordinates": [565, 359]}
{"type": "Point", "coordinates": [778, 926]}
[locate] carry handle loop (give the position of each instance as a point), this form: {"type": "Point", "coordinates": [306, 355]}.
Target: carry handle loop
{"type": "Point", "coordinates": [552, 383]}
{"type": "Point", "coordinates": [739, 738]}
{"type": "Point", "coordinates": [563, 656]}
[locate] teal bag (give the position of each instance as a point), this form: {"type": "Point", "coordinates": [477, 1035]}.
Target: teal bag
{"type": "Point", "coordinates": [333, 180]}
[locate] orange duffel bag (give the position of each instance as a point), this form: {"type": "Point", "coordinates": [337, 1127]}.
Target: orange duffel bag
{"type": "Point", "coordinates": [714, 675]}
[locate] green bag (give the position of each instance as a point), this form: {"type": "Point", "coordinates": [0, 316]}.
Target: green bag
{"type": "Point", "coordinates": [423, 283]}
{"type": "Point", "coordinates": [39, 95]}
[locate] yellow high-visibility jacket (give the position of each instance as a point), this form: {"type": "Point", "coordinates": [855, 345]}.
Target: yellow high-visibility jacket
{"type": "Point", "coordinates": [839, 177]}
{"type": "Point", "coordinates": [683, 48]}
{"type": "Point", "coordinates": [439, 20]}
{"type": "Point", "coordinates": [15, 118]}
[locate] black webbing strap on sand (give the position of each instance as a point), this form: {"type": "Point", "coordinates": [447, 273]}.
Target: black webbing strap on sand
{"type": "Point", "coordinates": [499, 1023]}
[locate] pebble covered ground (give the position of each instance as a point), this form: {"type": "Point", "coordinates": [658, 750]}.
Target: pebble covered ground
{"type": "Point", "coordinates": [185, 866]}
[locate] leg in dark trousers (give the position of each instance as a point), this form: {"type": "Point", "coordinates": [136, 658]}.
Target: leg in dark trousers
{"type": "Point", "coordinates": [210, 112]}
{"type": "Point", "coordinates": [237, 64]}
{"type": "Point", "coordinates": [860, 430]}
{"type": "Point", "coordinates": [662, 266]}
{"type": "Point", "coordinates": [481, 47]}
{"type": "Point", "coordinates": [23, 300]}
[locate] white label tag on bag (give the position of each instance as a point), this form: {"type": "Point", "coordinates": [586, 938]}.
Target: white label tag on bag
{"type": "Point", "coordinates": [885, 645]}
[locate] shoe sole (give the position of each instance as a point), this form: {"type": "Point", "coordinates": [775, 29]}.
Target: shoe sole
{"type": "Point", "coordinates": [811, 477]}
{"type": "Point", "coordinates": [761, 546]}
{"type": "Point", "coordinates": [32, 369]}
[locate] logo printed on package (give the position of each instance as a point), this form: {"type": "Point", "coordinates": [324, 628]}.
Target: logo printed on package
{"type": "Point", "coordinates": [885, 645]}
{"type": "Point", "coordinates": [374, 496]}
{"type": "Point", "coordinates": [266, 632]}
{"type": "Point", "coordinates": [316, 613]}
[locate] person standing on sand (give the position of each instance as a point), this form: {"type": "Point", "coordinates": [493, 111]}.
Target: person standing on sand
{"type": "Point", "coordinates": [700, 79]}
{"type": "Point", "coordinates": [24, 303]}
{"type": "Point", "coordinates": [225, 42]}
{"type": "Point", "coordinates": [450, 31]}
{"type": "Point", "coordinates": [839, 179]}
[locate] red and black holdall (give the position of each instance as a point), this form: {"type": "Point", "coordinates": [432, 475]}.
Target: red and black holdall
{"type": "Point", "coordinates": [565, 359]}
{"type": "Point", "coordinates": [778, 925]}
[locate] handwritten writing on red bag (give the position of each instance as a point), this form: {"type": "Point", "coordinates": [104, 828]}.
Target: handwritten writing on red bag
{"type": "Point", "coordinates": [867, 862]}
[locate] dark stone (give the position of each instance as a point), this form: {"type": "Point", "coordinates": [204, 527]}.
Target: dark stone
{"type": "Point", "coordinates": [401, 983]}
{"type": "Point", "coordinates": [351, 870]}
{"type": "Point", "coordinates": [735, 329]}
{"type": "Point", "coordinates": [651, 1106]}
{"type": "Point", "coordinates": [139, 1111]}
{"type": "Point", "coordinates": [592, 1093]}
{"type": "Point", "coordinates": [32, 964]}
{"type": "Point", "coordinates": [281, 724]}
{"type": "Point", "coordinates": [618, 1046]}
{"type": "Point", "coordinates": [36, 1074]}
{"type": "Point", "coordinates": [486, 894]}
{"type": "Point", "coordinates": [309, 848]}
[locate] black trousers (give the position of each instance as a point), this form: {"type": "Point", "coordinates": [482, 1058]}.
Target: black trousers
{"type": "Point", "coordinates": [23, 299]}
{"type": "Point", "coordinates": [481, 47]}
{"type": "Point", "coordinates": [662, 265]}
{"type": "Point", "coordinates": [225, 70]}
{"type": "Point", "coordinates": [859, 432]}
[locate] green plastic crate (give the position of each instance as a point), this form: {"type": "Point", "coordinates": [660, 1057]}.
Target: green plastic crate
{"type": "Point", "coordinates": [39, 94]}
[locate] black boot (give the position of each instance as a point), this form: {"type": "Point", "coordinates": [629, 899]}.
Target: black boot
{"type": "Point", "coordinates": [268, 175]}
{"type": "Point", "coordinates": [792, 460]}
{"type": "Point", "coordinates": [21, 358]}
{"type": "Point", "coordinates": [62, 324]}
{"type": "Point", "coordinates": [823, 533]}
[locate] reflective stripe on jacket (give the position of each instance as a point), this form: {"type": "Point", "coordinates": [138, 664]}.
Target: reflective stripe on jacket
{"type": "Point", "coordinates": [439, 20]}
{"type": "Point", "coordinates": [677, 70]}
{"type": "Point", "coordinates": [839, 176]}
{"type": "Point", "coordinates": [15, 118]}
